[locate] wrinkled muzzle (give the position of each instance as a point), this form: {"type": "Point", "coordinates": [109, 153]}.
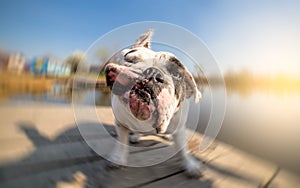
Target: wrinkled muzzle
{"type": "Point", "coordinates": [145, 92]}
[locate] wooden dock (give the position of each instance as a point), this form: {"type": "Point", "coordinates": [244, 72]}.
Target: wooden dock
{"type": "Point", "coordinates": [42, 147]}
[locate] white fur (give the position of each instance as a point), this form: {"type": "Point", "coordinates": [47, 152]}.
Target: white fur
{"type": "Point", "coordinates": [120, 151]}
{"type": "Point", "coordinates": [176, 127]}
{"type": "Point", "coordinates": [125, 120]}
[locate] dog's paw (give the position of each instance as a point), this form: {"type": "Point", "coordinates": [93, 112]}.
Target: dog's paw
{"type": "Point", "coordinates": [134, 138]}
{"type": "Point", "coordinates": [167, 137]}
{"type": "Point", "coordinates": [193, 168]}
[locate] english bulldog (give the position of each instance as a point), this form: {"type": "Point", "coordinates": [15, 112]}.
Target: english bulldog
{"type": "Point", "coordinates": [149, 94]}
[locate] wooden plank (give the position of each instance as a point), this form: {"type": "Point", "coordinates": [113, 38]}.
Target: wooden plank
{"type": "Point", "coordinates": [13, 150]}
{"type": "Point", "coordinates": [18, 148]}
{"type": "Point", "coordinates": [285, 179]}
{"type": "Point", "coordinates": [23, 128]}
{"type": "Point", "coordinates": [235, 169]}
{"type": "Point", "coordinates": [66, 146]}
{"type": "Point", "coordinates": [47, 120]}
{"type": "Point", "coordinates": [239, 169]}
{"type": "Point", "coordinates": [98, 175]}
{"type": "Point", "coordinates": [230, 167]}
{"type": "Point", "coordinates": [52, 151]}
{"type": "Point", "coordinates": [44, 158]}
{"type": "Point", "coordinates": [179, 180]}
{"type": "Point", "coordinates": [57, 154]}
{"type": "Point", "coordinates": [47, 178]}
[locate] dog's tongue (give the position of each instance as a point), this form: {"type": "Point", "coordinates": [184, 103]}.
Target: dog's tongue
{"type": "Point", "coordinates": [139, 108]}
{"type": "Point", "coordinates": [164, 114]}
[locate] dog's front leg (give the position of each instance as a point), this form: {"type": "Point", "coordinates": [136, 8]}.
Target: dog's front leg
{"type": "Point", "coordinates": [120, 151]}
{"type": "Point", "coordinates": [191, 165]}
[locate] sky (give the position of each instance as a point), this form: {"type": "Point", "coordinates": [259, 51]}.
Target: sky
{"type": "Point", "coordinates": [262, 36]}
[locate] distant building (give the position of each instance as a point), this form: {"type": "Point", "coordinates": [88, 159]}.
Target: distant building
{"type": "Point", "coordinates": [39, 66]}
{"type": "Point", "coordinates": [57, 68]}
{"type": "Point", "coordinates": [16, 63]}
{"type": "Point", "coordinates": [49, 66]}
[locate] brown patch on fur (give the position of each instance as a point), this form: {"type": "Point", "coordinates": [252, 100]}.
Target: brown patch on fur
{"type": "Point", "coordinates": [178, 76]}
{"type": "Point", "coordinates": [177, 62]}
{"type": "Point", "coordinates": [177, 70]}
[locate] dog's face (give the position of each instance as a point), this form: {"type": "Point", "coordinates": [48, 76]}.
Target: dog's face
{"type": "Point", "coordinates": [152, 84]}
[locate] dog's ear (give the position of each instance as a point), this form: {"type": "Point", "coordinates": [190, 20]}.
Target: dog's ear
{"type": "Point", "coordinates": [144, 40]}
{"type": "Point", "coordinates": [191, 88]}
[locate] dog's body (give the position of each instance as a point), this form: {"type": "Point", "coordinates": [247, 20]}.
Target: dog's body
{"type": "Point", "coordinates": [149, 94]}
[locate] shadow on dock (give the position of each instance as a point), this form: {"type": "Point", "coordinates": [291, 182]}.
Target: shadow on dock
{"type": "Point", "coordinates": [59, 160]}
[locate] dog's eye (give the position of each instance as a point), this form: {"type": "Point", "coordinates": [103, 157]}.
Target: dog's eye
{"type": "Point", "coordinates": [176, 75]}
{"type": "Point", "coordinates": [128, 58]}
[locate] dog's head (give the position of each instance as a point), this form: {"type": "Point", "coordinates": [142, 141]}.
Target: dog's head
{"type": "Point", "coordinates": [152, 84]}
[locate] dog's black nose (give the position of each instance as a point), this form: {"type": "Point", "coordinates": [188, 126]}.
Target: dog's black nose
{"type": "Point", "coordinates": [154, 74]}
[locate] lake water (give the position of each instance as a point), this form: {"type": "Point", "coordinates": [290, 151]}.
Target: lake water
{"type": "Point", "coordinates": [266, 124]}
{"type": "Point", "coordinates": [263, 123]}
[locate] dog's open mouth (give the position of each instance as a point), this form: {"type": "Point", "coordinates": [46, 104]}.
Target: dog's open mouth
{"type": "Point", "coordinates": [141, 101]}
{"type": "Point", "coordinates": [145, 93]}
{"type": "Point", "coordinates": [137, 90]}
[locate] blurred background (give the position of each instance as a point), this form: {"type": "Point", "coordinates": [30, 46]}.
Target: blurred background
{"type": "Point", "coordinates": [256, 44]}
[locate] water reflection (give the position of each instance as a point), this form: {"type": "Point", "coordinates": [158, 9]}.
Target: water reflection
{"type": "Point", "coordinates": [60, 93]}
{"type": "Point", "coordinates": [266, 124]}
{"type": "Point", "coordinates": [86, 96]}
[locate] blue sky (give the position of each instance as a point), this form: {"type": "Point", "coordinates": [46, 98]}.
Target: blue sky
{"type": "Point", "coordinates": [263, 36]}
